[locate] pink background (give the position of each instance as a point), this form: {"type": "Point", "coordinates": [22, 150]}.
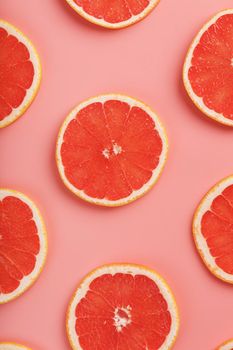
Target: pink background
{"type": "Point", "coordinates": [81, 60]}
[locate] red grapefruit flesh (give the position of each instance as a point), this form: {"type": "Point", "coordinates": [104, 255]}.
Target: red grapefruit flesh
{"type": "Point", "coordinates": [20, 73]}
{"type": "Point", "coordinates": [23, 244]}
{"type": "Point", "coordinates": [213, 229]}
{"type": "Point", "coordinates": [122, 307]}
{"type": "Point", "coordinates": [208, 68]}
{"type": "Point", "coordinates": [113, 14]}
{"type": "Point", "coordinates": [111, 150]}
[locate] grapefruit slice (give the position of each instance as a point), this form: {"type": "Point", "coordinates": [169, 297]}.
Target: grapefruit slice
{"type": "Point", "coordinates": [13, 346]}
{"type": "Point", "coordinates": [213, 229]}
{"type": "Point", "coordinates": [113, 14]}
{"type": "Point", "coordinates": [228, 345]}
{"type": "Point", "coordinates": [208, 68]}
{"type": "Point", "coordinates": [23, 244]}
{"type": "Point", "coordinates": [122, 306]}
{"type": "Point", "coordinates": [111, 150]}
{"type": "Point", "coordinates": [20, 73]}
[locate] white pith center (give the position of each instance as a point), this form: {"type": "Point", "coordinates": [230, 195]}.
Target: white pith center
{"type": "Point", "coordinates": [122, 317]}
{"type": "Point", "coordinates": [116, 149]}
{"type": "Point", "coordinates": [106, 153]}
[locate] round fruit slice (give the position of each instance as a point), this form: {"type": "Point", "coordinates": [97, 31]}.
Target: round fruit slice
{"type": "Point", "coordinates": [111, 150]}
{"type": "Point", "coordinates": [20, 73]}
{"type": "Point", "coordinates": [12, 346]}
{"type": "Point", "coordinates": [113, 14]}
{"type": "Point", "coordinates": [228, 345]}
{"type": "Point", "coordinates": [213, 229]}
{"type": "Point", "coordinates": [23, 244]}
{"type": "Point", "coordinates": [122, 306]}
{"type": "Point", "coordinates": [208, 68]}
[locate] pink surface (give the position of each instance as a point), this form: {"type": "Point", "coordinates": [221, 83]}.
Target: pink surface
{"type": "Point", "coordinates": [80, 60]}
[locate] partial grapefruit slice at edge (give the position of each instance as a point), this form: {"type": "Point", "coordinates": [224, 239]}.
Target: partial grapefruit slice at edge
{"type": "Point", "coordinates": [111, 25]}
{"type": "Point", "coordinates": [33, 89]}
{"type": "Point", "coordinates": [28, 279]}
{"type": "Point", "coordinates": [200, 241]}
{"type": "Point", "coordinates": [197, 100]}
{"type": "Point", "coordinates": [130, 270]}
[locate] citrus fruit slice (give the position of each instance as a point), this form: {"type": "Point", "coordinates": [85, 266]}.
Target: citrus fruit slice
{"type": "Point", "coordinates": [20, 73]}
{"type": "Point", "coordinates": [23, 244]}
{"type": "Point", "coordinates": [113, 14]}
{"type": "Point", "coordinates": [208, 68]}
{"type": "Point", "coordinates": [228, 345]}
{"type": "Point", "coordinates": [122, 306]}
{"type": "Point", "coordinates": [12, 346]}
{"type": "Point", "coordinates": [111, 150]}
{"type": "Point", "coordinates": [213, 229]}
